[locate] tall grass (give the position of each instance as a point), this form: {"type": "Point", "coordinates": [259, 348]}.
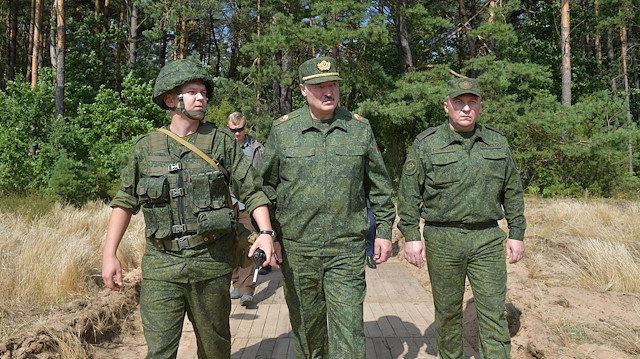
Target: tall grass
{"type": "Point", "coordinates": [46, 259]}
{"type": "Point", "coordinates": [596, 239]}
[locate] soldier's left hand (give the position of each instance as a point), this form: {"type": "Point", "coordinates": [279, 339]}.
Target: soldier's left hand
{"type": "Point", "coordinates": [382, 250]}
{"type": "Point", "coordinates": [514, 250]}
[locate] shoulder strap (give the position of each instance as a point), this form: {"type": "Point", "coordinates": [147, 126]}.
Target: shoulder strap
{"type": "Point", "coordinates": [210, 160]}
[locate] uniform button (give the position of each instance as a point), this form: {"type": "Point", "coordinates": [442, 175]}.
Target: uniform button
{"type": "Point", "coordinates": [206, 239]}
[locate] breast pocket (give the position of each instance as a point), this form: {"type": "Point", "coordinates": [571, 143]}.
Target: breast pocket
{"type": "Point", "coordinates": [349, 162]}
{"type": "Point", "coordinates": [495, 164]}
{"type": "Point", "coordinates": [493, 172]}
{"type": "Point", "coordinates": [446, 169]}
{"type": "Point", "coordinates": [298, 163]}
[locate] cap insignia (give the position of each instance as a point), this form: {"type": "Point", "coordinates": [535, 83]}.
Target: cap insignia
{"type": "Point", "coordinates": [465, 85]}
{"type": "Point", "coordinates": [284, 118]}
{"type": "Point", "coordinates": [324, 65]}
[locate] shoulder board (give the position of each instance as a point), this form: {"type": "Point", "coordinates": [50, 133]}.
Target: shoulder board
{"type": "Point", "coordinates": [494, 130]}
{"type": "Point", "coordinates": [429, 131]}
{"type": "Point", "coordinates": [286, 117]}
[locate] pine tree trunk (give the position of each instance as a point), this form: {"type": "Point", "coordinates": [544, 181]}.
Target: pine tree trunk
{"type": "Point", "coordinates": [566, 54]}
{"type": "Point", "coordinates": [406, 54]}
{"type": "Point", "coordinates": [598, 38]}
{"type": "Point", "coordinates": [118, 54]}
{"type": "Point", "coordinates": [60, 46]}
{"type": "Point", "coordinates": [133, 36]}
{"type": "Point", "coordinates": [12, 29]}
{"type": "Point", "coordinates": [35, 51]}
{"type": "Point", "coordinates": [612, 61]}
{"type": "Point", "coordinates": [623, 50]}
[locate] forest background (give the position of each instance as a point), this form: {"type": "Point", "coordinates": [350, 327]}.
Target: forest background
{"type": "Point", "coordinates": [560, 78]}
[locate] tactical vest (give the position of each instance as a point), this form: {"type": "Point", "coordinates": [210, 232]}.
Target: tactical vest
{"type": "Point", "coordinates": [184, 203]}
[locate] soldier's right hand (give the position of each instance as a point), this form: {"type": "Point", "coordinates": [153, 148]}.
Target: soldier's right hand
{"type": "Point", "coordinates": [111, 268]}
{"type": "Point", "coordinates": [414, 252]}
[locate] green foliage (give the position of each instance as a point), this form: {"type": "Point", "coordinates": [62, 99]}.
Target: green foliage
{"type": "Point", "coordinates": [70, 181]}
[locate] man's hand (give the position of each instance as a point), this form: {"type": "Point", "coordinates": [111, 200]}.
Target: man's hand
{"type": "Point", "coordinates": [110, 268]}
{"type": "Point", "coordinates": [514, 250]}
{"type": "Point", "coordinates": [382, 250]}
{"type": "Point", "coordinates": [414, 253]}
{"type": "Point", "coordinates": [265, 242]}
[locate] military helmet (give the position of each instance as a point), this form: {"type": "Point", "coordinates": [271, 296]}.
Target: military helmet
{"type": "Point", "coordinates": [177, 73]}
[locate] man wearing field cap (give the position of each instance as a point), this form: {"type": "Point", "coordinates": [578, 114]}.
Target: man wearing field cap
{"type": "Point", "coordinates": [319, 162]}
{"type": "Point", "coordinates": [461, 178]}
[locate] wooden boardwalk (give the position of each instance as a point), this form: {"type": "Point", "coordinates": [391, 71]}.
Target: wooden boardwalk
{"type": "Point", "coordinates": [398, 320]}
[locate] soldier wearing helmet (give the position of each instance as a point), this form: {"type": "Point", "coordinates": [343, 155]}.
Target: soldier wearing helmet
{"type": "Point", "coordinates": [189, 220]}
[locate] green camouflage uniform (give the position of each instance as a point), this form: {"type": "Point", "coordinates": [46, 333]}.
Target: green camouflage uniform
{"type": "Point", "coordinates": [319, 175]}
{"type": "Point", "coordinates": [465, 184]}
{"type": "Point", "coordinates": [194, 280]}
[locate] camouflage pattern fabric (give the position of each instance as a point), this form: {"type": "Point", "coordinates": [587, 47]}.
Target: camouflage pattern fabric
{"type": "Point", "coordinates": [460, 180]}
{"type": "Point", "coordinates": [320, 182]}
{"type": "Point", "coordinates": [465, 183]}
{"type": "Point", "coordinates": [452, 255]}
{"type": "Point", "coordinates": [163, 306]}
{"type": "Point", "coordinates": [320, 176]}
{"type": "Point", "coordinates": [326, 289]}
{"type": "Point", "coordinates": [205, 191]}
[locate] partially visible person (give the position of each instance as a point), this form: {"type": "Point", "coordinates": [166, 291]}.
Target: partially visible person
{"type": "Point", "coordinates": [319, 163]}
{"type": "Point", "coordinates": [371, 238]}
{"type": "Point", "coordinates": [461, 178]}
{"type": "Point", "coordinates": [189, 222]}
{"type": "Point", "coordinates": [242, 276]}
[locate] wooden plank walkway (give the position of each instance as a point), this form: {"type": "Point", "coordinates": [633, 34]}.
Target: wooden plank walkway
{"type": "Point", "coordinates": [398, 320]}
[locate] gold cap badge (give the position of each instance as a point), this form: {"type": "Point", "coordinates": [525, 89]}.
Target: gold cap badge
{"type": "Point", "coordinates": [324, 65]}
{"type": "Point", "coordinates": [465, 85]}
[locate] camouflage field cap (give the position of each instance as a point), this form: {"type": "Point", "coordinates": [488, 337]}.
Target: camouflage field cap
{"type": "Point", "coordinates": [457, 87]}
{"type": "Point", "coordinates": [177, 73]}
{"type": "Point", "coordinates": [317, 70]}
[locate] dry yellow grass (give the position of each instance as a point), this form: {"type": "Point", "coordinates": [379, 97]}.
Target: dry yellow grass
{"type": "Point", "coordinates": [595, 238]}
{"type": "Point", "coordinates": [51, 258]}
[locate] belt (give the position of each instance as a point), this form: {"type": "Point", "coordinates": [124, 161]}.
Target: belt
{"type": "Point", "coordinates": [466, 226]}
{"type": "Point", "coordinates": [186, 242]}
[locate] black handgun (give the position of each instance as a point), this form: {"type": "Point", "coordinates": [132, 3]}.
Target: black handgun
{"type": "Point", "coordinates": [258, 258]}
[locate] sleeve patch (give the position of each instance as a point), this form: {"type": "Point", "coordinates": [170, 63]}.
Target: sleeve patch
{"type": "Point", "coordinates": [410, 167]}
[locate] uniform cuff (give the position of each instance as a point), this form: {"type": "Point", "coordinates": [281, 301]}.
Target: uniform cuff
{"type": "Point", "coordinates": [125, 200]}
{"type": "Point", "coordinates": [256, 200]}
{"type": "Point", "coordinates": [384, 232]}
{"type": "Point", "coordinates": [516, 233]}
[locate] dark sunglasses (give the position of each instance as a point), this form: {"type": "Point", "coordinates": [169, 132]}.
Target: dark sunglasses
{"type": "Point", "coordinates": [236, 130]}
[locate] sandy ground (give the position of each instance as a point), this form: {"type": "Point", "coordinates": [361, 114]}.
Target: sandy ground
{"type": "Point", "coordinates": [546, 321]}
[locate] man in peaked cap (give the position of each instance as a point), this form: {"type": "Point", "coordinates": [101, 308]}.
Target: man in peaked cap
{"type": "Point", "coordinates": [189, 218]}
{"type": "Point", "coordinates": [319, 163]}
{"type": "Point", "coordinates": [461, 178]}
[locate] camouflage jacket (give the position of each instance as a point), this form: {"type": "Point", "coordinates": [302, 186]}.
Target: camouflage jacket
{"type": "Point", "coordinates": [320, 180]}
{"type": "Point", "coordinates": [147, 183]}
{"type": "Point", "coordinates": [456, 184]}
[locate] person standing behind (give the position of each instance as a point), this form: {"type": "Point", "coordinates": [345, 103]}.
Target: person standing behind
{"type": "Point", "coordinates": [319, 161]}
{"type": "Point", "coordinates": [189, 222]}
{"type": "Point", "coordinates": [242, 277]}
{"type": "Point", "coordinates": [465, 177]}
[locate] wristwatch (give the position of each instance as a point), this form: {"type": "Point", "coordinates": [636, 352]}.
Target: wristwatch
{"type": "Point", "coordinates": [271, 233]}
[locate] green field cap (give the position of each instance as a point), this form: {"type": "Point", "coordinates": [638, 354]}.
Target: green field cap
{"type": "Point", "coordinates": [457, 87]}
{"type": "Point", "coordinates": [317, 70]}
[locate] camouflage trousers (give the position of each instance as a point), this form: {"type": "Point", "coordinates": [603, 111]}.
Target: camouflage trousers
{"type": "Point", "coordinates": [454, 254]}
{"type": "Point", "coordinates": [207, 304]}
{"type": "Point", "coordinates": [325, 296]}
